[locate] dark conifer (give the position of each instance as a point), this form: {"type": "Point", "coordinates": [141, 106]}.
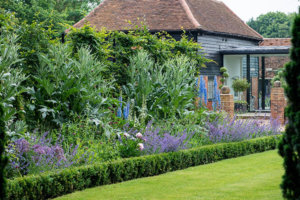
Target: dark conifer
{"type": "Point", "coordinates": [289, 148]}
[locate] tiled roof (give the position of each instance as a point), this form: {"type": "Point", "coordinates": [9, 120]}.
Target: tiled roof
{"type": "Point", "coordinates": [276, 42]}
{"type": "Point", "coordinates": [168, 15]}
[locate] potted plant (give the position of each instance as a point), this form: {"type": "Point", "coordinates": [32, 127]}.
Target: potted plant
{"type": "Point", "coordinates": [240, 85]}
{"type": "Point", "coordinates": [240, 106]}
{"type": "Point", "coordinates": [224, 76]}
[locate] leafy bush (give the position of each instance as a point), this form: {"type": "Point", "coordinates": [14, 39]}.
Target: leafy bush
{"type": "Point", "coordinates": [240, 85]}
{"type": "Point", "coordinates": [130, 144]}
{"type": "Point", "coordinates": [118, 47]}
{"type": "Point", "coordinates": [3, 158]}
{"type": "Point", "coordinates": [165, 90]}
{"type": "Point", "coordinates": [53, 184]}
{"type": "Point", "coordinates": [289, 147]}
{"type": "Point", "coordinates": [66, 86]}
{"type": "Point", "coordinates": [11, 79]}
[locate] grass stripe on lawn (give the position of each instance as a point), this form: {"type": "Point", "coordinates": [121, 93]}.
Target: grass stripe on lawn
{"type": "Point", "coordinates": [254, 177]}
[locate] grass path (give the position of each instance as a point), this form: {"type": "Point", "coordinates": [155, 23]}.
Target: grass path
{"type": "Point", "coordinates": [250, 177]}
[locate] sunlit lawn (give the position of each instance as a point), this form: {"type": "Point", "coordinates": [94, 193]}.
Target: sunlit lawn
{"type": "Point", "coordinates": [254, 177]}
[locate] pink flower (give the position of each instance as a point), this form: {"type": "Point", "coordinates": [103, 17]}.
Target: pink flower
{"type": "Point", "coordinates": [126, 135]}
{"type": "Point", "coordinates": [139, 135]}
{"type": "Point", "coordinates": [141, 146]}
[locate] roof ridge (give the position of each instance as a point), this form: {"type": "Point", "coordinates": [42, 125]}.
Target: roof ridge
{"type": "Point", "coordinates": [254, 31]}
{"type": "Point", "coordinates": [189, 13]}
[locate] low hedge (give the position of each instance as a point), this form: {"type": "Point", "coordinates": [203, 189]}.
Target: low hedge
{"type": "Point", "coordinates": [53, 184]}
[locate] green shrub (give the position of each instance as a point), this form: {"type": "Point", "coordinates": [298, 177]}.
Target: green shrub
{"type": "Point", "coordinates": [66, 86]}
{"type": "Point", "coordinates": [53, 184]}
{"type": "Point", "coordinates": [165, 89]}
{"type": "Point", "coordinates": [290, 145]}
{"type": "Point", "coordinates": [117, 47]}
{"type": "Point", "coordinates": [3, 158]}
{"type": "Point", "coordinates": [240, 85]}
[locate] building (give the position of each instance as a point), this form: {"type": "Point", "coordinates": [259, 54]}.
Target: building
{"type": "Point", "coordinates": [209, 22]}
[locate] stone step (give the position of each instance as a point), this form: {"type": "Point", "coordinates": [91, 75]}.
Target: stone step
{"type": "Point", "coordinates": [260, 116]}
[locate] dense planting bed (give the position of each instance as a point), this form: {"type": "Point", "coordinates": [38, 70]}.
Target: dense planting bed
{"type": "Point", "coordinates": [47, 185]}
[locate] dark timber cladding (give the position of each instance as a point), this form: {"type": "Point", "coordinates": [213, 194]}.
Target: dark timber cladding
{"type": "Point", "coordinates": [213, 44]}
{"type": "Point", "coordinates": [249, 80]}
{"type": "Point", "coordinates": [263, 87]}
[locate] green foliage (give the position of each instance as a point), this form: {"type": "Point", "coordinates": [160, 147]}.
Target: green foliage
{"type": "Point", "coordinates": [273, 24]}
{"type": "Point", "coordinates": [34, 39]}
{"type": "Point", "coordinates": [90, 38]}
{"type": "Point", "coordinates": [279, 77]}
{"type": "Point", "coordinates": [167, 89]}
{"type": "Point", "coordinates": [224, 75]}
{"type": "Point", "coordinates": [53, 184]}
{"type": "Point", "coordinates": [241, 102]}
{"type": "Point", "coordinates": [11, 79]}
{"type": "Point", "coordinates": [290, 145]}
{"type": "Point", "coordinates": [128, 146]}
{"type": "Point", "coordinates": [3, 158]}
{"type": "Point", "coordinates": [240, 85]}
{"type": "Point", "coordinates": [49, 12]}
{"type": "Point", "coordinates": [118, 47]}
{"type": "Point", "coordinates": [66, 86]}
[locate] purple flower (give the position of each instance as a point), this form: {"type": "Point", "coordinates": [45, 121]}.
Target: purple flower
{"type": "Point", "coordinates": [226, 130]}
{"type": "Point", "coordinates": [22, 145]}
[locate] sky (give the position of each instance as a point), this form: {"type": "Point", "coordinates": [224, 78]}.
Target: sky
{"type": "Point", "coordinates": [246, 9]}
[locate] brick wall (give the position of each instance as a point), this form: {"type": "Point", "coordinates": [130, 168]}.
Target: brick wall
{"type": "Point", "coordinates": [278, 103]}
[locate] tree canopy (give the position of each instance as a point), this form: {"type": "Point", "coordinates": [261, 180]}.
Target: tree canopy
{"type": "Point", "coordinates": [50, 12]}
{"type": "Point", "coordinates": [273, 24]}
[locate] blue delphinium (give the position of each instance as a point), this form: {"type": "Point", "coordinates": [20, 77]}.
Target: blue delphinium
{"type": "Point", "coordinates": [196, 84]}
{"type": "Point", "coordinates": [202, 91]}
{"type": "Point", "coordinates": [205, 96]}
{"type": "Point", "coordinates": [126, 110]}
{"type": "Point", "coordinates": [216, 101]}
{"type": "Point", "coordinates": [119, 112]}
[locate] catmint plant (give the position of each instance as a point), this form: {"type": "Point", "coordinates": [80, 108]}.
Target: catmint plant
{"type": "Point", "coordinates": [228, 130]}
{"type": "Point", "coordinates": [38, 155]}
{"type": "Point", "coordinates": [158, 141]}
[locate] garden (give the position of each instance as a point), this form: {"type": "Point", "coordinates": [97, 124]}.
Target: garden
{"type": "Point", "coordinates": [96, 108]}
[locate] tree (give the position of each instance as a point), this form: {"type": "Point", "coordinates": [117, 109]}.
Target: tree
{"type": "Point", "coordinates": [289, 147]}
{"type": "Point", "coordinates": [50, 12]}
{"type": "Point", "coordinates": [273, 24]}
{"type": "Point", "coordinates": [3, 158]}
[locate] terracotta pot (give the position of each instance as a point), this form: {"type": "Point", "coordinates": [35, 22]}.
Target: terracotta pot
{"type": "Point", "coordinates": [225, 90]}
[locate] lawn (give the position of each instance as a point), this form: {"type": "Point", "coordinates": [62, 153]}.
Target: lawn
{"type": "Point", "coordinates": [255, 176]}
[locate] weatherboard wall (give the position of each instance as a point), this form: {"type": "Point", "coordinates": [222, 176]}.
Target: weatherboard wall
{"type": "Point", "coordinates": [212, 44]}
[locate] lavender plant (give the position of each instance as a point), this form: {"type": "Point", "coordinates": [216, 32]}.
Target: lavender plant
{"type": "Point", "coordinates": [158, 141]}
{"type": "Point", "coordinates": [227, 130]}
{"type": "Point", "coordinates": [40, 155]}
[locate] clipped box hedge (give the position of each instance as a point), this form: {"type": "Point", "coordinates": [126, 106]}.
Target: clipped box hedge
{"type": "Point", "coordinates": [53, 184]}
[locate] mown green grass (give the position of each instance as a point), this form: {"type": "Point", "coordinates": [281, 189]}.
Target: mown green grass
{"type": "Point", "coordinates": [250, 177]}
